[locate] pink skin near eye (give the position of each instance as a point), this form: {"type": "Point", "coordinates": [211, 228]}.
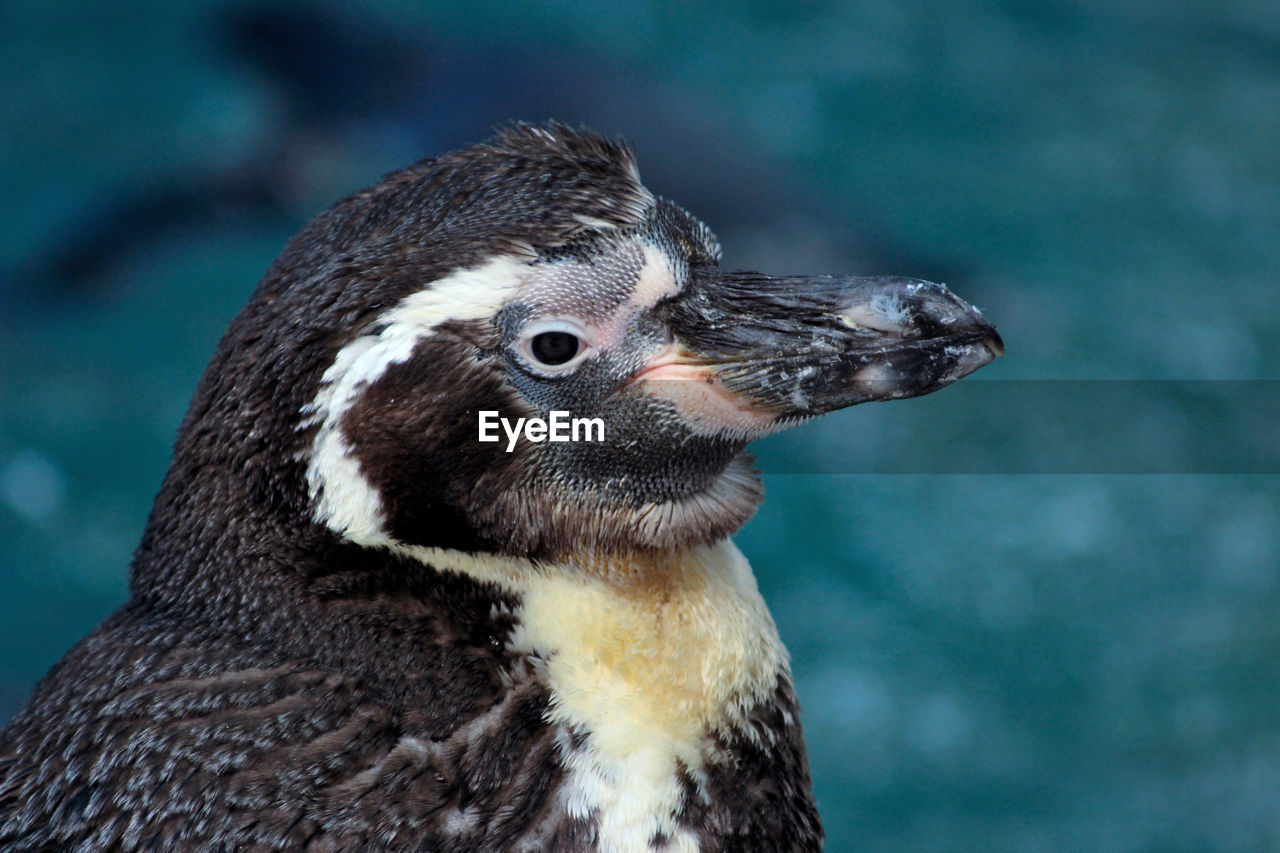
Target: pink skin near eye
{"type": "Point", "coordinates": [697, 392]}
{"type": "Point", "coordinates": [699, 395]}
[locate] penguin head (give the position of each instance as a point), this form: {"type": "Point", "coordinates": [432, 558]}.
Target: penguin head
{"type": "Point", "coordinates": [390, 372]}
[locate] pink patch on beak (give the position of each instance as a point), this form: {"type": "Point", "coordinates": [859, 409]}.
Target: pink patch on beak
{"type": "Point", "coordinates": [699, 395]}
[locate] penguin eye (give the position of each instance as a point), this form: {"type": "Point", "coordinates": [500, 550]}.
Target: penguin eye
{"type": "Point", "coordinates": [554, 348]}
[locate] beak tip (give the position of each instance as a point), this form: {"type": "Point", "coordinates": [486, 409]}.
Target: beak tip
{"type": "Point", "coordinates": [995, 344]}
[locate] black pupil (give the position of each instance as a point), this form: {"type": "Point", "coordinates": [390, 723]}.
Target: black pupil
{"type": "Point", "coordinates": [554, 347]}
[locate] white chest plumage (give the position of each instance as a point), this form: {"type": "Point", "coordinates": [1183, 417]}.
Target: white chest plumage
{"type": "Point", "coordinates": [646, 660]}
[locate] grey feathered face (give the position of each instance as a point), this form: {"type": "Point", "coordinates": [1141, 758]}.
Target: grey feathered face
{"type": "Point", "coordinates": [661, 365]}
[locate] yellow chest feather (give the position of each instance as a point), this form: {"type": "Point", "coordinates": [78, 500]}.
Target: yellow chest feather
{"type": "Point", "coordinates": [646, 657]}
{"type": "Point", "coordinates": [656, 652]}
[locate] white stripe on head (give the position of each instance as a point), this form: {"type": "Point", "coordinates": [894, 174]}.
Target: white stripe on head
{"type": "Point", "coordinates": [344, 500]}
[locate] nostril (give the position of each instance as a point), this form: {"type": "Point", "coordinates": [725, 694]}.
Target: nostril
{"type": "Point", "coordinates": [885, 312]}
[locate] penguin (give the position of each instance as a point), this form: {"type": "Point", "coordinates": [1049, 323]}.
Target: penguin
{"type": "Point", "coordinates": [358, 622]}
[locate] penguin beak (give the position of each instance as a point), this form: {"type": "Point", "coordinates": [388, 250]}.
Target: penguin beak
{"type": "Point", "coordinates": [770, 350]}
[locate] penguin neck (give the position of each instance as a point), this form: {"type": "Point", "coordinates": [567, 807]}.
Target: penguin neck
{"type": "Point", "coordinates": [682, 636]}
{"type": "Point", "coordinates": [649, 659]}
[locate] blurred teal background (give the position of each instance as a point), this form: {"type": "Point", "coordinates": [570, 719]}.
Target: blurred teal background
{"type": "Point", "coordinates": [1085, 659]}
